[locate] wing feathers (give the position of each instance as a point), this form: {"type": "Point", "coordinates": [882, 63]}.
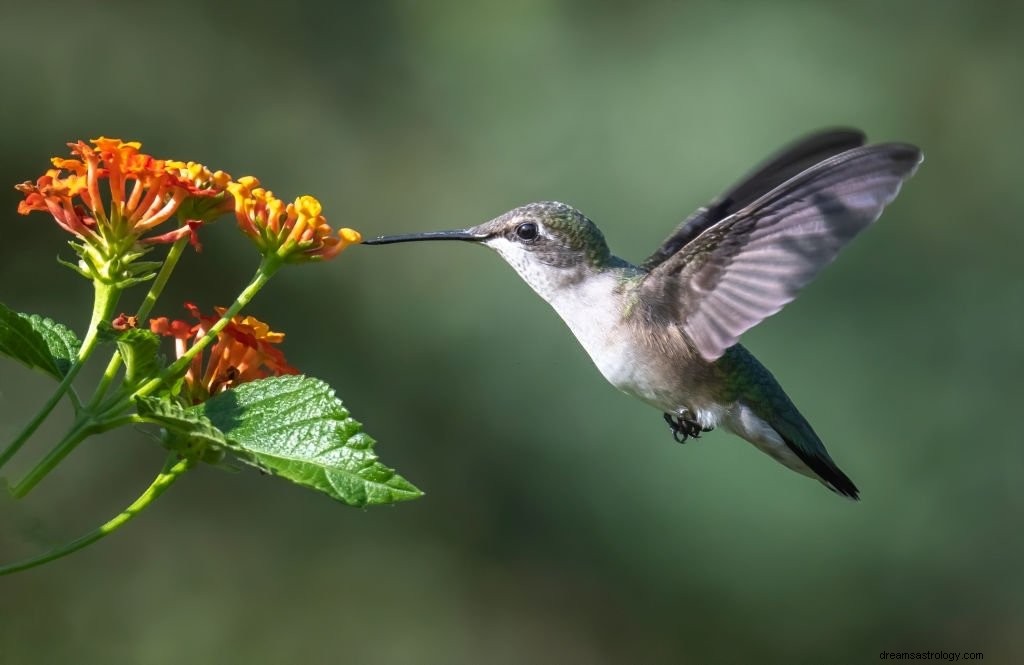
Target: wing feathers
{"type": "Point", "coordinates": [746, 267]}
{"type": "Point", "coordinates": [788, 162]}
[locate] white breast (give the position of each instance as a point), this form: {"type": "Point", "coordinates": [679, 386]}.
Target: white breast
{"type": "Point", "coordinates": [595, 318]}
{"type": "Point", "coordinates": [588, 303]}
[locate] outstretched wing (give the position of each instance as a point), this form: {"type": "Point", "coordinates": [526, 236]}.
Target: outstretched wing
{"type": "Point", "coordinates": [746, 267]}
{"type": "Point", "coordinates": [777, 169]}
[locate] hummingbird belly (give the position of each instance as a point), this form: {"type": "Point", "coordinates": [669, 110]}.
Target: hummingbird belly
{"type": "Point", "coordinates": [658, 368]}
{"type": "Point", "coordinates": [667, 382]}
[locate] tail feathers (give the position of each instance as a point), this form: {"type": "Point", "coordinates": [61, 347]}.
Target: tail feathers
{"type": "Point", "coordinates": [812, 452]}
{"type": "Point", "coordinates": [765, 416]}
{"type": "Point", "coordinates": [801, 438]}
{"type": "Point", "coordinates": [788, 438]}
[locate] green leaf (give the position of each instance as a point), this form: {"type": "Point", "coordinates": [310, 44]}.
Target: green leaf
{"type": "Point", "coordinates": [37, 342]}
{"type": "Point", "coordinates": [188, 423]}
{"type": "Point", "coordinates": [186, 432]}
{"type": "Point", "coordinates": [60, 340]}
{"type": "Point", "coordinates": [294, 427]}
{"type": "Point", "coordinates": [140, 350]}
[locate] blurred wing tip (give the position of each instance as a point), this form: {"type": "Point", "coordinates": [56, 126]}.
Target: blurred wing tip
{"type": "Point", "coordinates": [905, 153]}
{"type": "Point", "coordinates": [845, 134]}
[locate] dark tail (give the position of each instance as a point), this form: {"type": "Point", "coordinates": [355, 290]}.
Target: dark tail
{"type": "Point", "coordinates": [761, 394]}
{"type": "Point", "coordinates": [804, 442]}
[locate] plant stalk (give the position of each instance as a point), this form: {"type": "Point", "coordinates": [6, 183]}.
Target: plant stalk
{"type": "Point", "coordinates": [104, 303]}
{"type": "Point", "coordinates": [173, 255]}
{"type": "Point", "coordinates": [165, 479]}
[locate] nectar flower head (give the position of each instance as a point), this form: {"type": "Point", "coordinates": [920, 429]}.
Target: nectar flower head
{"type": "Point", "coordinates": [140, 193]}
{"type": "Point", "coordinates": [245, 350]}
{"type": "Point", "coordinates": [295, 231]}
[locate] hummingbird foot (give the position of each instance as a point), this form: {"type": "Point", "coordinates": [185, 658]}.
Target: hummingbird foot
{"type": "Point", "coordinates": [684, 427]}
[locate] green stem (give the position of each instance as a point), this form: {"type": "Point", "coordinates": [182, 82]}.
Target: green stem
{"type": "Point", "coordinates": [97, 419]}
{"type": "Point", "coordinates": [75, 400]}
{"type": "Point", "coordinates": [83, 429]}
{"type": "Point", "coordinates": [78, 433]}
{"type": "Point", "coordinates": [121, 421]}
{"type": "Point", "coordinates": [104, 303]}
{"type": "Point", "coordinates": [267, 268]}
{"type": "Point", "coordinates": [165, 479]}
{"type": "Point", "coordinates": [144, 309]}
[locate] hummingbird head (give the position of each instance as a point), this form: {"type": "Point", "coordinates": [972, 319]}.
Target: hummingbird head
{"type": "Point", "coordinates": [549, 244]}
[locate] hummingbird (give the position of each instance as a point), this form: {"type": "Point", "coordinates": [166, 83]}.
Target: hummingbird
{"type": "Point", "coordinates": [666, 330]}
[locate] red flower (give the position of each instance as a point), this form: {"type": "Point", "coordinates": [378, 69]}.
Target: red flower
{"type": "Point", "coordinates": [245, 350]}
{"type": "Point", "coordinates": [143, 191]}
{"type": "Point", "coordinates": [124, 322]}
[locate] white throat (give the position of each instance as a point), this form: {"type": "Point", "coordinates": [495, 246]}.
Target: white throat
{"type": "Point", "coordinates": [586, 302]}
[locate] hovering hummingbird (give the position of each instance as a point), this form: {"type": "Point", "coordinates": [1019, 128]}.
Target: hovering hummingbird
{"type": "Point", "coordinates": [666, 331]}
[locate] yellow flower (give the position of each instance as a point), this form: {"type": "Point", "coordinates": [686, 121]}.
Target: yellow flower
{"type": "Point", "coordinates": [295, 231]}
{"type": "Point", "coordinates": [199, 177]}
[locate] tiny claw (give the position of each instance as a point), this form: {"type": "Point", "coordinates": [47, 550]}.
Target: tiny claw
{"type": "Point", "coordinates": [684, 428]}
{"type": "Point", "coordinates": [674, 428]}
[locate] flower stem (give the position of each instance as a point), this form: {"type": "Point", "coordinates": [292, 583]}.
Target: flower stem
{"type": "Point", "coordinates": [104, 303]}
{"type": "Point", "coordinates": [144, 309]}
{"type": "Point", "coordinates": [78, 433]}
{"type": "Point", "coordinates": [267, 268]}
{"type": "Point", "coordinates": [75, 401]}
{"type": "Point", "coordinates": [162, 277]}
{"type": "Point", "coordinates": [165, 479]}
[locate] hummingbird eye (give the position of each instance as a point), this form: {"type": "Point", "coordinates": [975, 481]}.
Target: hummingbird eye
{"type": "Point", "coordinates": [527, 231]}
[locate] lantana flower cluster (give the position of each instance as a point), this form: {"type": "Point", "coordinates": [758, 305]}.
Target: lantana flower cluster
{"type": "Point", "coordinates": [119, 202]}
{"type": "Point", "coordinates": [120, 205]}
{"type": "Point", "coordinates": [113, 198]}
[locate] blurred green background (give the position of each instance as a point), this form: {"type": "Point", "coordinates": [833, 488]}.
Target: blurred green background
{"type": "Point", "coordinates": [561, 523]}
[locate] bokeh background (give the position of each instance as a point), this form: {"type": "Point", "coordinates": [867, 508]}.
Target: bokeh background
{"type": "Point", "coordinates": [561, 523]}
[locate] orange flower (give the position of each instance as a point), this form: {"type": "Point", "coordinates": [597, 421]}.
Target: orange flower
{"type": "Point", "coordinates": [53, 192]}
{"type": "Point", "coordinates": [143, 191]}
{"type": "Point", "coordinates": [295, 231]}
{"type": "Point", "coordinates": [244, 351]}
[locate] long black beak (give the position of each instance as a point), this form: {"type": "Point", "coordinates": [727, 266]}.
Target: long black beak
{"type": "Point", "coordinates": [460, 234]}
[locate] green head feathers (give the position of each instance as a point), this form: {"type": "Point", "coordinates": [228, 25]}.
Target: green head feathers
{"type": "Point", "coordinates": [553, 233]}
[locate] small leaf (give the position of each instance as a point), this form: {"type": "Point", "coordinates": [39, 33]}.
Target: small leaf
{"type": "Point", "coordinates": [174, 417]}
{"type": "Point", "coordinates": [140, 350]}
{"type": "Point", "coordinates": [60, 340]}
{"type": "Point", "coordinates": [38, 342]}
{"type": "Point", "coordinates": [294, 427]}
